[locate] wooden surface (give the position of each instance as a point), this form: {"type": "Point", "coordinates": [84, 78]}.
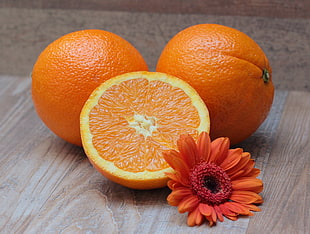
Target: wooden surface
{"type": "Point", "coordinates": [48, 185]}
{"type": "Point", "coordinates": [266, 8]}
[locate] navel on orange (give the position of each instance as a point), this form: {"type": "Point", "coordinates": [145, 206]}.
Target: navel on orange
{"type": "Point", "coordinates": [230, 72]}
{"type": "Point", "coordinates": [70, 68]}
{"type": "Point", "coordinates": [129, 120]}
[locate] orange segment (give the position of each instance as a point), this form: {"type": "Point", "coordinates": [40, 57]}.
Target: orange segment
{"type": "Point", "coordinates": [129, 120]}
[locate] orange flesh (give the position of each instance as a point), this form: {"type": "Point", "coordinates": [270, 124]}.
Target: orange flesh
{"type": "Point", "coordinates": [136, 120]}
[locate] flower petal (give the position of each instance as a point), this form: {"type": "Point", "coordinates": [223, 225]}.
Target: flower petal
{"type": "Point", "coordinates": [252, 207]}
{"type": "Point", "coordinates": [213, 216]}
{"type": "Point", "coordinates": [204, 146]}
{"type": "Point", "coordinates": [247, 171]}
{"type": "Point", "coordinates": [219, 150]}
{"type": "Point", "coordinates": [176, 196]}
{"type": "Point", "coordinates": [188, 150]}
{"type": "Point", "coordinates": [248, 184]}
{"type": "Point", "coordinates": [177, 176]}
{"type": "Point", "coordinates": [245, 157]}
{"type": "Point", "coordinates": [232, 217]}
{"type": "Point", "coordinates": [194, 218]}
{"type": "Point", "coordinates": [246, 197]}
{"type": "Point", "coordinates": [172, 184]}
{"type": "Point", "coordinates": [245, 165]}
{"type": "Point", "coordinates": [174, 159]}
{"type": "Point", "coordinates": [225, 210]}
{"type": "Point", "coordinates": [218, 213]}
{"type": "Point", "coordinates": [188, 204]}
{"type": "Point", "coordinates": [249, 167]}
{"type": "Point", "coordinates": [232, 159]}
{"type": "Point", "coordinates": [210, 219]}
{"type": "Point", "coordinates": [174, 176]}
{"type": "Point", "coordinates": [205, 209]}
{"type": "Point", "coordinates": [253, 173]}
{"type": "Point", "coordinates": [237, 208]}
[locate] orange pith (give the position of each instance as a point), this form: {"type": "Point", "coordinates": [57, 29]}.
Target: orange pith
{"type": "Point", "coordinates": [131, 119]}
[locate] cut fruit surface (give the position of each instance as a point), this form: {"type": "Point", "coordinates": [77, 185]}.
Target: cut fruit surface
{"type": "Point", "coordinates": [129, 120]}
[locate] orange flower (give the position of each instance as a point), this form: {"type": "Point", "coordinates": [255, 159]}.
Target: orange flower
{"type": "Point", "coordinates": [212, 181]}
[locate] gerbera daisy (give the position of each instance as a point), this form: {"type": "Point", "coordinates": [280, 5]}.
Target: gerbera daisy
{"type": "Point", "coordinates": [211, 181]}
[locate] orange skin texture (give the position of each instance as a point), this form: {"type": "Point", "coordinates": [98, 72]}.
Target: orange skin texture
{"type": "Point", "coordinates": [70, 68]}
{"type": "Point", "coordinates": [225, 66]}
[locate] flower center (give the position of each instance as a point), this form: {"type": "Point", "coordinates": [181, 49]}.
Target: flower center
{"type": "Point", "coordinates": [211, 183]}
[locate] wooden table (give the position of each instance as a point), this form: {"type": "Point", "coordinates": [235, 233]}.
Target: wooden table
{"type": "Point", "coordinates": [48, 185]}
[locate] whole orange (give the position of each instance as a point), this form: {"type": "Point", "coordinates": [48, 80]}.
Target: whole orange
{"type": "Point", "coordinates": [70, 68]}
{"type": "Point", "coordinates": [229, 71]}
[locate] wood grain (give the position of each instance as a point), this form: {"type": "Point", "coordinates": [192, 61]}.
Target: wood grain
{"type": "Point", "coordinates": [47, 185]}
{"type": "Point", "coordinates": [286, 174]}
{"type": "Point", "coordinates": [265, 8]}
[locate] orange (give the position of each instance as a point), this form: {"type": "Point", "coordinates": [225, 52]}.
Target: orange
{"type": "Point", "coordinates": [229, 71]}
{"type": "Point", "coordinates": [129, 120]}
{"type": "Point", "coordinates": [70, 68]}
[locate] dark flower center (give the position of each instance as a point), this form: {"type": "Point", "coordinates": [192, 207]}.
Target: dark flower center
{"type": "Point", "coordinates": [211, 183]}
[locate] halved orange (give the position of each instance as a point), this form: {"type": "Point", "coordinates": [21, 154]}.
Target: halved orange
{"type": "Point", "coordinates": [129, 120]}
